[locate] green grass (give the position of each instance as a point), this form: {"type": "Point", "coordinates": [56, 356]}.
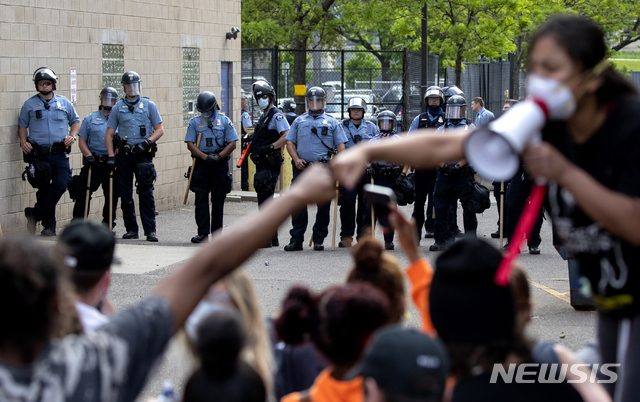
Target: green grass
{"type": "Point", "coordinates": [631, 65]}
{"type": "Point", "coordinates": [626, 55]}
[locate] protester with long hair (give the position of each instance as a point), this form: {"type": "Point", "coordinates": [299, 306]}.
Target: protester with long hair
{"type": "Point", "coordinates": [113, 362]}
{"type": "Point", "coordinates": [590, 155]}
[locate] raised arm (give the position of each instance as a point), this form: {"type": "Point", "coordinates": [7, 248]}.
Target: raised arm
{"type": "Point", "coordinates": [227, 250]}
{"type": "Point", "coordinates": [421, 149]}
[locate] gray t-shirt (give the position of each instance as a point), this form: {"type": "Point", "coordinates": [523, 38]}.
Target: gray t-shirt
{"type": "Point", "coordinates": [109, 364]}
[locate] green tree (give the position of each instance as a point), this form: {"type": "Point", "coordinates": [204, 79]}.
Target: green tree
{"type": "Point", "coordinates": [378, 26]}
{"type": "Point", "coordinates": [290, 24]}
{"type": "Point", "coordinates": [464, 30]}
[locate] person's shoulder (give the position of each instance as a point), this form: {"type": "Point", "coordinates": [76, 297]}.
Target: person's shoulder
{"type": "Point", "coordinates": [61, 98]}
{"type": "Point", "coordinates": [330, 119]}
{"type": "Point", "coordinates": [32, 99]}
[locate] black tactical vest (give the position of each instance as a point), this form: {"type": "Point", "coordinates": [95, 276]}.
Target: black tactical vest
{"type": "Point", "coordinates": [263, 136]}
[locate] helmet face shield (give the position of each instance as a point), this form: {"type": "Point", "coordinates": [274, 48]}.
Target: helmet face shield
{"type": "Point", "coordinates": [132, 89]}
{"type": "Point", "coordinates": [108, 99]}
{"type": "Point", "coordinates": [456, 112]}
{"type": "Point", "coordinates": [386, 123]}
{"type": "Point", "coordinates": [315, 102]}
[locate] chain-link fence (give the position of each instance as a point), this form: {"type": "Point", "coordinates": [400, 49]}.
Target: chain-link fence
{"type": "Point", "coordinates": [387, 80]}
{"type": "Point", "coordinates": [488, 80]}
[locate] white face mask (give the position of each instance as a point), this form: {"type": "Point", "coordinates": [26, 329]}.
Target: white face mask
{"type": "Point", "coordinates": [263, 103]}
{"type": "Point", "coordinates": [558, 98]}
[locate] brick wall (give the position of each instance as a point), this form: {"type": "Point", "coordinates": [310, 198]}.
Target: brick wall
{"type": "Point", "coordinates": [70, 33]}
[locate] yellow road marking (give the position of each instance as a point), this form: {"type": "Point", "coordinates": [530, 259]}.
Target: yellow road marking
{"type": "Point", "coordinates": [562, 296]}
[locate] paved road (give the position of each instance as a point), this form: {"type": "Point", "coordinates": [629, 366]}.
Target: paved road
{"type": "Point", "coordinates": [273, 271]}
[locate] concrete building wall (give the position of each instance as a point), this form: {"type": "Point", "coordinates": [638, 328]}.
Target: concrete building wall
{"type": "Point", "coordinates": [70, 34]}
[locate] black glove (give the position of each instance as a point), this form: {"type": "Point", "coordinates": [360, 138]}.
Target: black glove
{"type": "Point", "coordinates": [211, 160]}
{"type": "Point", "coordinates": [88, 161]}
{"type": "Point", "coordinates": [111, 163]}
{"type": "Point", "coordinates": [142, 147]}
{"type": "Point", "coordinates": [265, 149]}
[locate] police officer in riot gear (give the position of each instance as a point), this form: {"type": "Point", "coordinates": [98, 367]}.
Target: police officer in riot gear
{"type": "Point", "coordinates": [314, 138]}
{"type": "Point", "coordinates": [455, 181]}
{"type": "Point", "coordinates": [268, 139]}
{"type": "Point", "coordinates": [46, 140]}
{"type": "Point", "coordinates": [451, 91]}
{"type": "Point", "coordinates": [357, 129]}
{"type": "Point", "coordinates": [137, 119]}
{"type": "Point", "coordinates": [246, 123]}
{"type": "Point", "coordinates": [425, 179]}
{"type": "Point", "coordinates": [384, 173]}
{"type": "Point", "coordinates": [211, 170]}
{"type": "Point", "coordinates": [289, 110]}
{"type": "Point", "coordinates": [94, 156]}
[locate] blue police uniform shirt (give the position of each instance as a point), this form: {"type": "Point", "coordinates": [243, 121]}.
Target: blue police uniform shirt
{"type": "Point", "coordinates": [215, 137]}
{"type": "Point", "coordinates": [483, 117]}
{"type": "Point", "coordinates": [246, 120]}
{"type": "Point", "coordinates": [93, 129]}
{"type": "Point", "coordinates": [308, 146]}
{"type": "Point", "coordinates": [449, 125]}
{"type": "Point", "coordinates": [129, 124]}
{"type": "Point", "coordinates": [367, 130]}
{"type": "Point", "coordinates": [54, 123]}
{"type": "Point", "coordinates": [431, 115]}
{"type": "Point", "coordinates": [278, 122]}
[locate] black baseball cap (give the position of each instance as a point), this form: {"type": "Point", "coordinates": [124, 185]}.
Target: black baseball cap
{"type": "Point", "coordinates": [405, 362]}
{"type": "Point", "coordinates": [91, 246]}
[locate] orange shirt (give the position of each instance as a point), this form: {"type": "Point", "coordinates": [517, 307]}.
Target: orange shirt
{"type": "Point", "coordinates": [327, 389]}
{"type": "Point", "coordinates": [420, 275]}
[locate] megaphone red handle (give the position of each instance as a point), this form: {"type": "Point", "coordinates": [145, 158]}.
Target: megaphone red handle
{"type": "Point", "coordinates": [523, 230]}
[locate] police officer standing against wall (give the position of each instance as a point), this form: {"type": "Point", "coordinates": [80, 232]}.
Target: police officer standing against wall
{"type": "Point", "coordinates": [46, 144]}
{"type": "Point", "coordinates": [211, 170]}
{"type": "Point", "coordinates": [136, 118]}
{"type": "Point", "coordinates": [314, 138]}
{"type": "Point", "coordinates": [425, 179]}
{"type": "Point", "coordinates": [246, 122]}
{"type": "Point", "coordinates": [455, 181]}
{"type": "Point", "coordinates": [356, 129]}
{"type": "Point", "coordinates": [94, 156]}
{"type": "Point", "coordinates": [269, 136]}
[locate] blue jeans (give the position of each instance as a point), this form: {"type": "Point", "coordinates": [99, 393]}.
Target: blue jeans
{"type": "Point", "coordinates": [301, 219]}
{"type": "Point", "coordinates": [126, 168]}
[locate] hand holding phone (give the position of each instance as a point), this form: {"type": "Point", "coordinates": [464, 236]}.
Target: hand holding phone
{"type": "Point", "coordinates": [379, 198]}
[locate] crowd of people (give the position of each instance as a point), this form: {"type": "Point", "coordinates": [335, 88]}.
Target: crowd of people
{"type": "Point", "coordinates": [345, 342]}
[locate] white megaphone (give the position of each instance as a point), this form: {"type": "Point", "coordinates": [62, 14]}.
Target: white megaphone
{"type": "Point", "coordinates": [494, 150]}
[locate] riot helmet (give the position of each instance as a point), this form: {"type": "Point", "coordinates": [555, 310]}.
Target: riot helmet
{"type": "Point", "coordinates": [288, 106]}
{"type": "Point", "coordinates": [456, 108]}
{"type": "Point", "coordinates": [450, 91]}
{"type": "Point", "coordinates": [261, 88]}
{"type": "Point", "coordinates": [207, 103]}
{"type": "Point", "coordinates": [316, 97]}
{"type": "Point", "coordinates": [357, 103]}
{"type": "Point", "coordinates": [42, 74]}
{"type": "Point", "coordinates": [386, 121]}
{"type": "Point", "coordinates": [131, 84]}
{"type": "Point", "coordinates": [434, 92]}
{"type": "Point", "coordinates": [108, 98]}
